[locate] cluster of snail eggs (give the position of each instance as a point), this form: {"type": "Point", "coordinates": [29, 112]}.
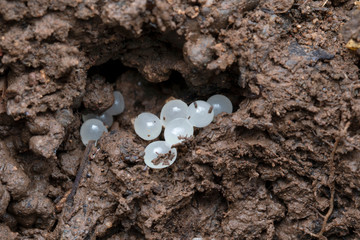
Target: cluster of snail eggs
{"type": "Point", "coordinates": [95, 125]}
{"type": "Point", "coordinates": [179, 121]}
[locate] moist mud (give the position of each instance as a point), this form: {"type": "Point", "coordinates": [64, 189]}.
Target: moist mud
{"type": "Point", "coordinates": [281, 165]}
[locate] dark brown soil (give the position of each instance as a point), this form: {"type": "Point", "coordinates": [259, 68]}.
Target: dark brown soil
{"type": "Point", "coordinates": [285, 165]}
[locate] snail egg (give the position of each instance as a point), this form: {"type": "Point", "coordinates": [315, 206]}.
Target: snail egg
{"type": "Point", "coordinates": [179, 127]}
{"type": "Point", "coordinates": [220, 104]}
{"type": "Point", "coordinates": [172, 110]}
{"type": "Point", "coordinates": [91, 129]}
{"type": "Point", "coordinates": [159, 147]}
{"type": "Point", "coordinates": [118, 105]}
{"type": "Point", "coordinates": [106, 118]}
{"type": "Point", "coordinates": [200, 114]}
{"type": "Point", "coordinates": [147, 126]}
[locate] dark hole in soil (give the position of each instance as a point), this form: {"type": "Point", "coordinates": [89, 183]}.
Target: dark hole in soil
{"type": "Point", "coordinates": [217, 180]}
{"type": "Point", "coordinates": [175, 86]}
{"type": "Point", "coordinates": [110, 70]}
{"type": "Point", "coordinates": [268, 186]}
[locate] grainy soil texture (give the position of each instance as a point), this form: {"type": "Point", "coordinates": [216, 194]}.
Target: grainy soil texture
{"type": "Point", "coordinates": [284, 165]}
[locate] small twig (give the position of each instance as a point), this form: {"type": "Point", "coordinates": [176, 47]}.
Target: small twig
{"type": "Point", "coordinates": [304, 3]}
{"type": "Point", "coordinates": [69, 199]}
{"type": "Point", "coordinates": [324, 3]}
{"type": "Point", "coordinates": [331, 183]}
{"type": "Point", "coordinates": [60, 203]}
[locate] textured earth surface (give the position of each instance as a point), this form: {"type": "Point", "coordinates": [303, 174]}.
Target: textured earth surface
{"type": "Point", "coordinates": [285, 165]}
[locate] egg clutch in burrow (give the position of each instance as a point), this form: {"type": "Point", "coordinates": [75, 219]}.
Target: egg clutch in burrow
{"type": "Point", "coordinates": [176, 117]}
{"type": "Point", "coordinates": [179, 121]}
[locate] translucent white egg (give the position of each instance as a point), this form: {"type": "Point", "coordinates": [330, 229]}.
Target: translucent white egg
{"type": "Point", "coordinates": [200, 114]}
{"type": "Point", "coordinates": [179, 127]}
{"type": "Point", "coordinates": [159, 147]}
{"type": "Point", "coordinates": [91, 129]}
{"type": "Point", "coordinates": [118, 105]}
{"type": "Point", "coordinates": [172, 110]}
{"type": "Point", "coordinates": [106, 118]}
{"type": "Point", "coordinates": [220, 104]}
{"type": "Point", "coordinates": [147, 126]}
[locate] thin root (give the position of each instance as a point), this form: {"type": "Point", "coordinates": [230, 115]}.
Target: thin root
{"type": "Point", "coordinates": [69, 199]}
{"type": "Point", "coordinates": [331, 184]}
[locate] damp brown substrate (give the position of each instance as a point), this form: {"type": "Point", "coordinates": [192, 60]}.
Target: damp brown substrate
{"type": "Point", "coordinates": [264, 172]}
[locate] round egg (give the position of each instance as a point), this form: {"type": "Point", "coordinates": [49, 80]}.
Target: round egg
{"type": "Point", "coordinates": [178, 128]}
{"type": "Point", "coordinates": [172, 110]}
{"type": "Point", "coordinates": [220, 104]}
{"type": "Point", "coordinates": [200, 114]}
{"type": "Point", "coordinates": [118, 105]}
{"type": "Point", "coordinates": [91, 129]}
{"type": "Point", "coordinates": [106, 118]}
{"type": "Point", "coordinates": [147, 126]}
{"type": "Point", "coordinates": [161, 149]}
